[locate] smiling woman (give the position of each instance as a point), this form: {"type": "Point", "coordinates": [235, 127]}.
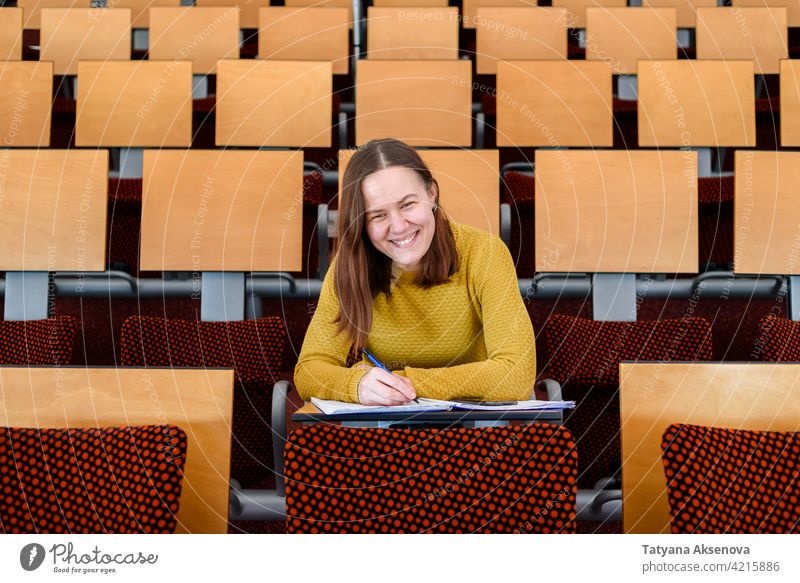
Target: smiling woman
{"type": "Point", "coordinates": [437, 300]}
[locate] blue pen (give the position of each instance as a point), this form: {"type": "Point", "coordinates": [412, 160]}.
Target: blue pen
{"type": "Point", "coordinates": [377, 363]}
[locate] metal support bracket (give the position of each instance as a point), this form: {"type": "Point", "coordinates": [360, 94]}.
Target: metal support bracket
{"type": "Point", "coordinates": [222, 297]}
{"type": "Point", "coordinates": [614, 297]}
{"type": "Point", "coordinates": [27, 294]}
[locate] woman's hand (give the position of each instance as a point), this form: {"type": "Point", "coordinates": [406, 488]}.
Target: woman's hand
{"type": "Point", "coordinates": [379, 387]}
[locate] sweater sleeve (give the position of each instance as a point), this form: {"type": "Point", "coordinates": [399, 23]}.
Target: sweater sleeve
{"type": "Point", "coordinates": [509, 372]}
{"type": "Point", "coordinates": [320, 370]}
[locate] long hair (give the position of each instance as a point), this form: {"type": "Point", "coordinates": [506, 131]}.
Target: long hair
{"type": "Point", "coordinates": [362, 272]}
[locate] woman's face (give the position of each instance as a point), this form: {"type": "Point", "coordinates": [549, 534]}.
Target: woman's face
{"type": "Point", "coordinates": [399, 215]}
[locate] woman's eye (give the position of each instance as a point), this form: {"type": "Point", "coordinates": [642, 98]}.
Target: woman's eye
{"type": "Point", "coordinates": [376, 217]}
{"type": "Point", "coordinates": [407, 205]}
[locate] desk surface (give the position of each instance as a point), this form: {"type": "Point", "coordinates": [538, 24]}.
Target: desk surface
{"type": "Point", "coordinates": [309, 413]}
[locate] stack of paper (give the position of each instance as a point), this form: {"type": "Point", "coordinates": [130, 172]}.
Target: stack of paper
{"type": "Point", "coordinates": [424, 405]}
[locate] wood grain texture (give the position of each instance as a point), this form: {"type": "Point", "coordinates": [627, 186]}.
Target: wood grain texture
{"type": "Point", "coordinates": [134, 104]}
{"type": "Point", "coordinates": [752, 396]}
{"type": "Point", "coordinates": [759, 34]}
{"type": "Point", "coordinates": [190, 33]}
{"type": "Point", "coordinates": [274, 103]}
{"type": "Point", "coordinates": [554, 104]}
{"type": "Point", "coordinates": [53, 210]}
{"type": "Point", "coordinates": [517, 34]}
{"type": "Point", "coordinates": [10, 34]}
{"type": "Point", "coordinates": [248, 9]}
{"type": "Point", "coordinates": [32, 9]}
{"type": "Point", "coordinates": [25, 103]}
{"type": "Point", "coordinates": [469, 184]}
{"type": "Point", "coordinates": [790, 102]}
{"type": "Point", "coordinates": [416, 33]}
{"type": "Point", "coordinates": [214, 210]}
{"type": "Point", "coordinates": [686, 9]}
{"type": "Point", "coordinates": [200, 402]}
{"type": "Point", "coordinates": [423, 103]}
{"type": "Point", "coordinates": [623, 36]}
{"type": "Point", "coordinates": [616, 211]}
{"type": "Point", "coordinates": [792, 8]}
{"type": "Point", "coordinates": [305, 34]}
{"type": "Point", "coordinates": [140, 9]}
{"type": "Point", "coordinates": [576, 9]}
{"type": "Point", "coordinates": [696, 103]}
{"type": "Point", "coordinates": [69, 35]}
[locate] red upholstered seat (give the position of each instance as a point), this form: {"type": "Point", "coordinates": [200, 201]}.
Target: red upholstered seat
{"type": "Point", "coordinates": [584, 356]}
{"type": "Point", "coordinates": [715, 218]}
{"type": "Point", "coordinates": [732, 481]}
{"type": "Point", "coordinates": [253, 348]}
{"type": "Point", "coordinates": [37, 342]}
{"type": "Point", "coordinates": [503, 479]}
{"type": "Point", "coordinates": [109, 480]}
{"type": "Point", "coordinates": [778, 340]}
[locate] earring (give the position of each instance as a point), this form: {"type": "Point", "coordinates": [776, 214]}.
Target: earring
{"type": "Point", "coordinates": [435, 208]}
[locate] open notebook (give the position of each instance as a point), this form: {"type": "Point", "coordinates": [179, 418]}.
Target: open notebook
{"type": "Point", "coordinates": [340, 408]}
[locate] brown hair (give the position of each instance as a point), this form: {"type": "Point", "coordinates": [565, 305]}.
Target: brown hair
{"type": "Point", "coordinates": [362, 272]}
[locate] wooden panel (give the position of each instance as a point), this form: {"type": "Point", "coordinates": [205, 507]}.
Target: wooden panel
{"type": "Point", "coordinates": [412, 33]}
{"type": "Point", "coordinates": [686, 9]}
{"type": "Point", "coordinates": [140, 9]}
{"type": "Point", "coordinates": [248, 9]}
{"type": "Point", "coordinates": [790, 103]}
{"type": "Point", "coordinates": [305, 34]}
{"type": "Point", "coordinates": [198, 401]}
{"type": "Point", "coordinates": [469, 184]}
{"type": "Point", "coordinates": [202, 35]}
{"type": "Point", "coordinates": [423, 103]}
{"type": "Point", "coordinates": [325, 4]}
{"type": "Point", "coordinates": [69, 35]}
{"type": "Point", "coordinates": [25, 103]}
{"type": "Point", "coordinates": [766, 207]}
{"type": "Point", "coordinates": [576, 9]}
{"type": "Point", "coordinates": [616, 211]}
{"type": "Point", "coordinates": [54, 210]}
{"type": "Point", "coordinates": [792, 8]}
{"type": "Point", "coordinates": [696, 103]}
{"type": "Point", "coordinates": [274, 103]}
{"type": "Point", "coordinates": [32, 9]}
{"type": "Point", "coordinates": [554, 103]}
{"type": "Point", "coordinates": [753, 396]}
{"type": "Point", "coordinates": [222, 210]}
{"type": "Point", "coordinates": [622, 36]}
{"type": "Point", "coordinates": [417, 3]}
{"type": "Point", "coordinates": [10, 34]}
{"type": "Point", "coordinates": [759, 34]}
{"type": "Point", "coordinates": [134, 104]}
{"type": "Point", "coordinates": [470, 8]}
{"type": "Point", "coordinates": [513, 34]}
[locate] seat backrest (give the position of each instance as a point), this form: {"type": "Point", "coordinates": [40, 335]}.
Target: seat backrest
{"type": "Point", "coordinates": [202, 35]}
{"type": "Point", "coordinates": [70, 35]}
{"type": "Point", "coordinates": [106, 480]}
{"type": "Point", "coordinates": [412, 33]}
{"type": "Point", "coordinates": [11, 34]}
{"type": "Point", "coordinates": [727, 481]}
{"type": "Point", "coordinates": [305, 34]}
{"type": "Point", "coordinates": [471, 7]}
{"type": "Point", "coordinates": [502, 479]}
{"type": "Point", "coordinates": [25, 103]}
{"type": "Point", "coordinates": [576, 9]}
{"type": "Point", "coordinates": [32, 9]}
{"type": "Point", "coordinates": [37, 342]}
{"type": "Point", "coordinates": [778, 340]}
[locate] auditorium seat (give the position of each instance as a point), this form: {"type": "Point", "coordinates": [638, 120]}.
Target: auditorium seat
{"type": "Point", "coordinates": [120, 480]}
{"type": "Point", "coordinates": [715, 221]}
{"type": "Point", "coordinates": [412, 33]}
{"type": "Point", "coordinates": [25, 103]}
{"type": "Point", "coordinates": [495, 480]}
{"type": "Point", "coordinates": [731, 481]}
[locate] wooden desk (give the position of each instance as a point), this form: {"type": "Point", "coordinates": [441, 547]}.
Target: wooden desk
{"type": "Point", "coordinates": [554, 104]}
{"type": "Point", "coordinates": [32, 9]}
{"type": "Point", "coordinates": [222, 210]}
{"type": "Point", "coordinates": [471, 7]}
{"type": "Point", "coordinates": [11, 34]}
{"type": "Point", "coordinates": [576, 9]}
{"type": "Point", "coordinates": [325, 4]}
{"type": "Point", "coordinates": [70, 35]}
{"type": "Point", "coordinates": [274, 103]}
{"type": "Point", "coordinates": [417, 33]}
{"type": "Point", "coordinates": [140, 9]}
{"type": "Point", "coordinates": [790, 103]}
{"type": "Point", "coordinates": [759, 34]}
{"type": "Point", "coordinates": [518, 34]}
{"type": "Point", "coordinates": [423, 103]}
{"type": "Point", "coordinates": [686, 9]}
{"type": "Point", "coordinates": [792, 8]}
{"type": "Point", "coordinates": [766, 210]}
{"type": "Point", "coordinates": [25, 102]}
{"type": "Point", "coordinates": [616, 211]}
{"type": "Point", "coordinates": [248, 9]}
{"type": "Point", "coordinates": [754, 396]}
{"type": "Point", "coordinates": [696, 104]}
{"type": "Point", "coordinates": [623, 36]}
{"type": "Point", "coordinates": [198, 401]}
{"type": "Point", "coordinates": [469, 184]}
{"type": "Point", "coordinates": [200, 35]}
{"type": "Point", "coordinates": [305, 34]}
{"type": "Point", "coordinates": [54, 210]}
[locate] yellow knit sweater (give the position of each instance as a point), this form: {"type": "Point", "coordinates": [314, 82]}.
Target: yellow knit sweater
{"type": "Point", "coordinates": [470, 337]}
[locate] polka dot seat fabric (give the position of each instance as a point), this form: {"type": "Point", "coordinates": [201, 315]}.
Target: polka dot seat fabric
{"type": "Point", "coordinates": [779, 340]}
{"type": "Point", "coordinates": [732, 481]}
{"type": "Point", "coordinates": [37, 342]}
{"type": "Point", "coordinates": [584, 356]}
{"type": "Point", "coordinates": [106, 480]}
{"type": "Point", "coordinates": [361, 480]}
{"type": "Point", "coordinates": [253, 348]}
